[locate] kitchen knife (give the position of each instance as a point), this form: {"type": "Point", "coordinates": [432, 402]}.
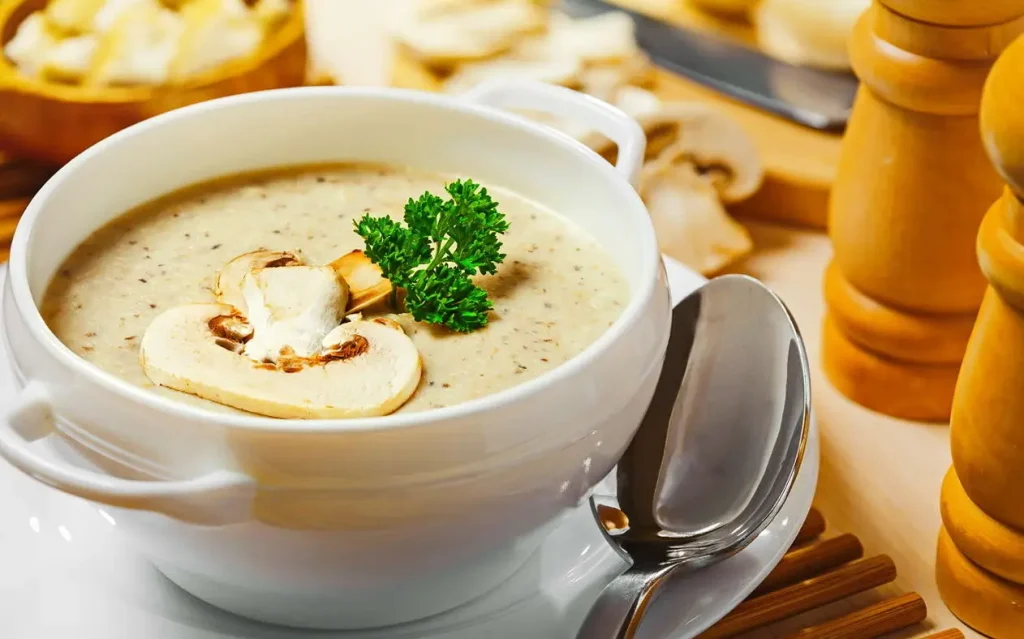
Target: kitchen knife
{"type": "Point", "coordinates": [812, 97]}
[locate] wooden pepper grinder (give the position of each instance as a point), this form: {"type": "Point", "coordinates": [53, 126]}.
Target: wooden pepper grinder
{"type": "Point", "coordinates": [913, 183]}
{"type": "Point", "coordinates": [980, 562]}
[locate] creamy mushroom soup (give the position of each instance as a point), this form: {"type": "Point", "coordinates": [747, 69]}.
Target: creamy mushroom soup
{"type": "Point", "coordinates": [555, 292]}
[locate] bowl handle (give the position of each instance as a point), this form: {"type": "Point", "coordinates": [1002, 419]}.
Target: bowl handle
{"type": "Point", "coordinates": [218, 498]}
{"type": "Point", "coordinates": [597, 114]}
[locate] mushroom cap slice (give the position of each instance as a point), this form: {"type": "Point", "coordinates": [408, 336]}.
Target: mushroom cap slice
{"type": "Point", "coordinates": [366, 282]}
{"type": "Point", "coordinates": [691, 224]}
{"type": "Point", "coordinates": [371, 369]}
{"type": "Point", "coordinates": [229, 280]}
{"type": "Point", "coordinates": [469, 31]}
{"type": "Point", "coordinates": [714, 143]}
{"type": "Point", "coordinates": [634, 101]}
{"type": "Point", "coordinates": [605, 37]}
{"type": "Point", "coordinates": [605, 79]}
{"type": "Point", "coordinates": [689, 132]}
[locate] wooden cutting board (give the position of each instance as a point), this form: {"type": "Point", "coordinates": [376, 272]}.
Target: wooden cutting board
{"type": "Point", "coordinates": [800, 162]}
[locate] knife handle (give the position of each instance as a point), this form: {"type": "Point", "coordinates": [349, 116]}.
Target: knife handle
{"type": "Point", "coordinates": [596, 114]}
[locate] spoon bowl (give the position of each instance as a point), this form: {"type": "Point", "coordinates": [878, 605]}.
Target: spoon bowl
{"type": "Point", "coordinates": [728, 422]}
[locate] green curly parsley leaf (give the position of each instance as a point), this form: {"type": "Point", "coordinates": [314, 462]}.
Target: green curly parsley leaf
{"type": "Point", "coordinates": [433, 257]}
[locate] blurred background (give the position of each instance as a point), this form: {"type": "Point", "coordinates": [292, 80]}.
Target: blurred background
{"type": "Point", "coordinates": [76, 71]}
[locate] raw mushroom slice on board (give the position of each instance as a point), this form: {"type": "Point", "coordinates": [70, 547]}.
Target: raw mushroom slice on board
{"type": "Point", "coordinates": [597, 53]}
{"type": "Point", "coordinates": [698, 159]}
{"type": "Point", "coordinates": [689, 219]}
{"type": "Point", "coordinates": [444, 34]}
{"type": "Point", "coordinates": [715, 144]}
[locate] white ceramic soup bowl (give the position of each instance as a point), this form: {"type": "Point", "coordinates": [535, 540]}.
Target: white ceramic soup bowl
{"type": "Point", "coordinates": [340, 523]}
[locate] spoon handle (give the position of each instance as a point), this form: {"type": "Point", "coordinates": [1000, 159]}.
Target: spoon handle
{"type": "Point", "coordinates": [619, 609]}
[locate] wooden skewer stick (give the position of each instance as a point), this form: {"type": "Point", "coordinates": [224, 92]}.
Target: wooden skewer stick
{"type": "Point", "coordinates": [813, 526]}
{"type": "Point", "coordinates": [874, 621]}
{"type": "Point", "coordinates": [854, 577]}
{"type": "Point", "coordinates": [952, 633]}
{"type": "Point", "coordinates": [814, 559]}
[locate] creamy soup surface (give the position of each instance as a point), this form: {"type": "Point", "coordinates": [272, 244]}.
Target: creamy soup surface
{"type": "Point", "coordinates": [556, 292]}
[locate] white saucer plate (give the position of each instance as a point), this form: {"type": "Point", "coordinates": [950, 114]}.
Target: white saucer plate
{"type": "Point", "coordinates": [67, 573]}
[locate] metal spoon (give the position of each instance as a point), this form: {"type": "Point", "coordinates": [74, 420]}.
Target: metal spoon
{"type": "Point", "coordinates": [728, 422]}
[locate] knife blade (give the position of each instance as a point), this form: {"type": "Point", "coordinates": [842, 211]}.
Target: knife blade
{"type": "Point", "coordinates": [815, 98]}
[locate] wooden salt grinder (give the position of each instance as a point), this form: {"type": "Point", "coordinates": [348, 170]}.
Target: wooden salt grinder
{"type": "Point", "coordinates": [912, 185]}
{"type": "Point", "coordinates": [980, 562]}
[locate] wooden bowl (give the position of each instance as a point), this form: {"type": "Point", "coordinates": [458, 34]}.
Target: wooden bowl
{"type": "Point", "coordinates": [54, 122]}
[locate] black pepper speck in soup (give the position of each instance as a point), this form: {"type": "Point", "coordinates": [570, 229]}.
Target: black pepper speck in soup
{"type": "Point", "coordinates": [556, 292]}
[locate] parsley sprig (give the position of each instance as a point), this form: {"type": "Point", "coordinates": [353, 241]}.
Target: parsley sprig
{"type": "Point", "coordinates": [443, 244]}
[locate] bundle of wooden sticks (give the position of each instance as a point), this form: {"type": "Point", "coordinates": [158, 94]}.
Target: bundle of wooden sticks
{"type": "Point", "coordinates": [816, 573]}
